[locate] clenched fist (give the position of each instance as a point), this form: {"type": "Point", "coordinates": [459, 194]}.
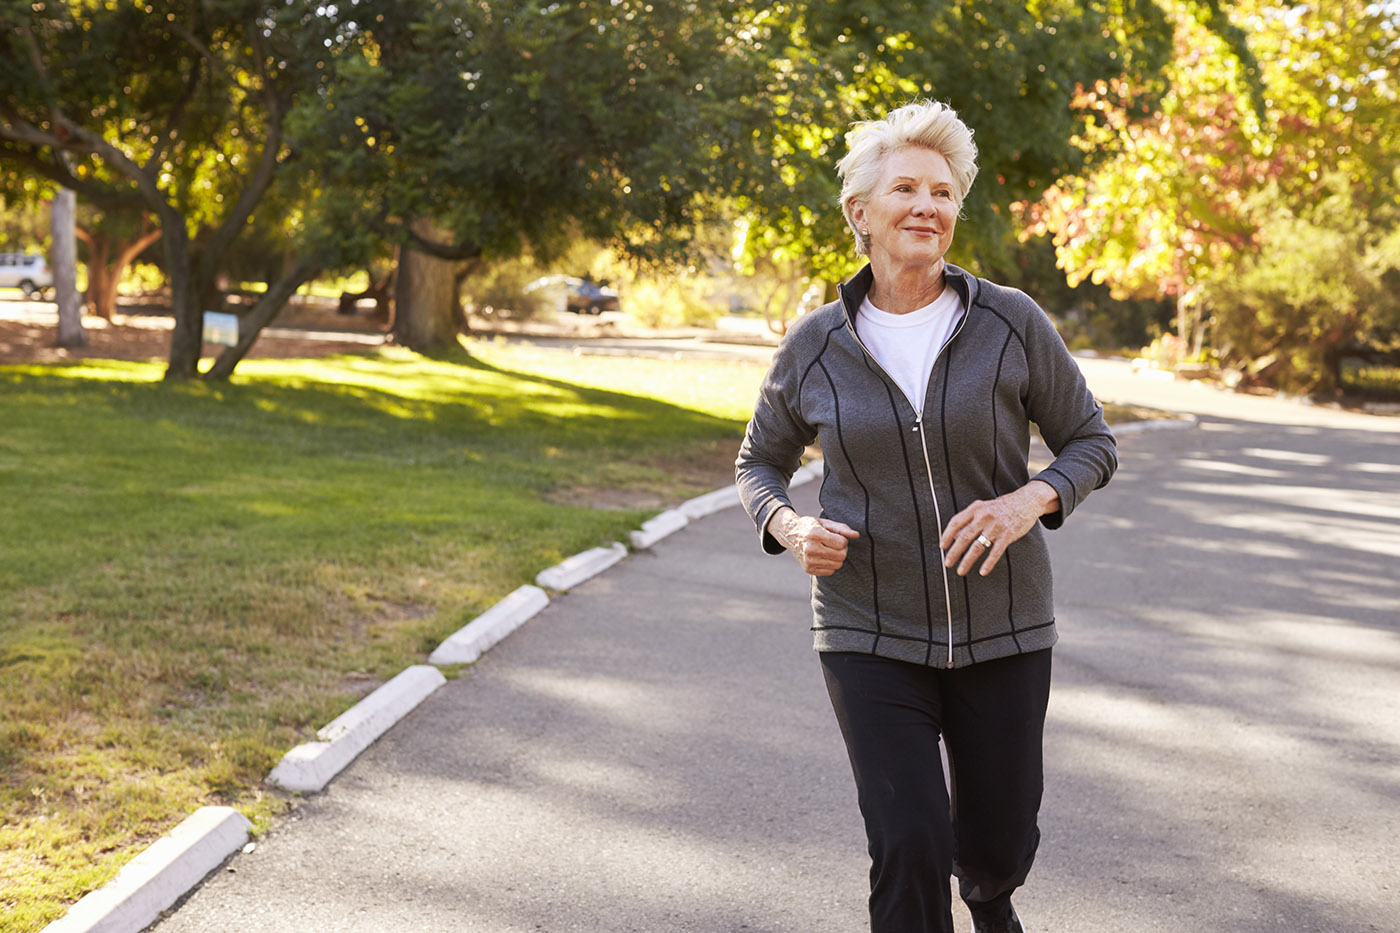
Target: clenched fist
{"type": "Point", "coordinates": [818, 544]}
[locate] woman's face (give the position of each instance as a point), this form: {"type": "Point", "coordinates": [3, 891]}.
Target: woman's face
{"type": "Point", "coordinates": [912, 213]}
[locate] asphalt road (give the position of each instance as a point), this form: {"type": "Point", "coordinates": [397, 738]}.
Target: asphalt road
{"type": "Point", "coordinates": [654, 751]}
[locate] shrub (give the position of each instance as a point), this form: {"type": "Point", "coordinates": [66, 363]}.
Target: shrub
{"type": "Point", "coordinates": [500, 290]}
{"type": "Point", "coordinates": [672, 302]}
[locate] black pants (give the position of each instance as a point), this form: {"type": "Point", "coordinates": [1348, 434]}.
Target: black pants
{"type": "Point", "coordinates": [992, 718]}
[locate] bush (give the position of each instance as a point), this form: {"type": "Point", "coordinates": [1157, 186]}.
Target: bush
{"type": "Point", "coordinates": [500, 290]}
{"type": "Point", "coordinates": [1320, 277]}
{"type": "Point", "coordinates": [677, 302]}
{"type": "Point", "coordinates": [142, 278]}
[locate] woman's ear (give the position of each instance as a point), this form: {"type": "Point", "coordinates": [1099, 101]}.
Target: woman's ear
{"type": "Point", "coordinates": [857, 213]}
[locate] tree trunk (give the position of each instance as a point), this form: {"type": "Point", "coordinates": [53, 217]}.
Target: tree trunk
{"type": "Point", "coordinates": [378, 291]}
{"type": "Point", "coordinates": [260, 315]}
{"type": "Point", "coordinates": [126, 255]}
{"type": "Point", "coordinates": [104, 272]}
{"type": "Point", "coordinates": [187, 340]}
{"type": "Point", "coordinates": [425, 300]}
{"type": "Point", "coordinates": [100, 283]}
{"type": "Point", "coordinates": [65, 270]}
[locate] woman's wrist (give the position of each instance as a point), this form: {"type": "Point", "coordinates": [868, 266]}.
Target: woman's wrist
{"type": "Point", "coordinates": [780, 522]}
{"type": "Point", "coordinates": [1042, 496]}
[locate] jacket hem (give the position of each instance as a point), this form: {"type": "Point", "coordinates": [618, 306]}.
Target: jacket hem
{"type": "Point", "coordinates": [922, 651]}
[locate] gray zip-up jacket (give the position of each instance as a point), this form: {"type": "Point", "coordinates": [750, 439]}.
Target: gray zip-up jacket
{"type": "Point", "coordinates": [897, 475]}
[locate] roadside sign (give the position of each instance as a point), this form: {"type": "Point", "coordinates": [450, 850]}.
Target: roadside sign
{"type": "Point", "coordinates": [220, 328]}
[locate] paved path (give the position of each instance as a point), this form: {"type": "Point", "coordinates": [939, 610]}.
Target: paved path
{"type": "Point", "coordinates": [654, 752]}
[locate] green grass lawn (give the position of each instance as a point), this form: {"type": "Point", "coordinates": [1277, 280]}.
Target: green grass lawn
{"type": "Point", "coordinates": [194, 578]}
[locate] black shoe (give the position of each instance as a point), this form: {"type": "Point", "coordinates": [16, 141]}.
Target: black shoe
{"type": "Point", "coordinates": [1004, 922]}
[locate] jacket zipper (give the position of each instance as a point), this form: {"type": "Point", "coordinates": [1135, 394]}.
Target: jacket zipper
{"type": "Point", "coordinates": [923, 445]}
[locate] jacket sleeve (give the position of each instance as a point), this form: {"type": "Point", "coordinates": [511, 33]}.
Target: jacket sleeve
{"type": "Point", "coordinates": [773, 443]}
{"type": "Point", "coordinates": [1070, 420]}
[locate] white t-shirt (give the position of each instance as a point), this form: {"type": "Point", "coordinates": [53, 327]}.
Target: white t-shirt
{"type": "Point", "coordinates": [907, 344]}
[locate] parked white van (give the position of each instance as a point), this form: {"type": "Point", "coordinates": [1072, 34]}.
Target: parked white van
{"type": "Point", "coordinates": [26, 271]}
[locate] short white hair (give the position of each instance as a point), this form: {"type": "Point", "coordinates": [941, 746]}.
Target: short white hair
{"type": "Point", "coordinates": [923, 124]}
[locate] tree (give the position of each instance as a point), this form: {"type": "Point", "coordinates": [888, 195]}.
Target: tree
{"type": "Point", "coordinates": [502, 126]}
{"type": "Point", "coordinates": [65, 271]}
{"type": "Point", "coordinates": [1204, 196]}
{"type": "Point", "coordinates": [176, 107]}
{"type": "Point", "coordinates": [1323, 279]}
{"type": "Point", "coordinates": [555, 121]}
{"type": "Point", "coordinates": [1160, 212]}
{"type": "Point", "coordinates": [425, 295]}
{"type": "Point", "coordinates": [114, 239]}
{"type": "Point", "coordinates": [24, 219]}
{"type": "Point", "coordinates": [1010, 69]}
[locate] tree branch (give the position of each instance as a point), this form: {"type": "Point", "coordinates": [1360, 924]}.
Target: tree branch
{"type": "Point", "coordinates": [176, 121]}
{"type": "Point", "coordinates": [261, 314]}
{"type": "Point", "coordinates": [70, 137]}
{"type": "Point", "coordinates": [257, 182]}
{"type": "Point", "coordinates": [453, 251]}
{"type": "Point", "coordinates": [59, 172]}
{"type": "Point", "coordinates": [253, 190]}
{"type": "Point", "coordinates": [136, 247]}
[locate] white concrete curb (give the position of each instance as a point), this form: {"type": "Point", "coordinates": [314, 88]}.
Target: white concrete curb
{"type": "Point", "coordinates": [475, 638]}
{"type": "Point", "coordinates": [159, 875]}
{"type": "Point", "coordinates": [720, 499]}
{"type": "Point", "coordinates": [710, 503]}
{"type": "Point", "coordinates": [654, 529]}
{"type": "Point", "coordinates": [807, 473]}
{"type": "Point", "coordinates": [573, 571]}
{"type": "Point", "coordinates": [310, 766]}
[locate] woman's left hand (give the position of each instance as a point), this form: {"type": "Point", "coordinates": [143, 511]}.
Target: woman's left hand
{"type": "Point", "coordinates": [1001, 521]}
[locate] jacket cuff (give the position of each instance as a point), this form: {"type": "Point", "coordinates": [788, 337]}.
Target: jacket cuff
{"type": "Point", "coordinates": [1064, 489]}
{"type": "Point", "coordinates": [771, 545]}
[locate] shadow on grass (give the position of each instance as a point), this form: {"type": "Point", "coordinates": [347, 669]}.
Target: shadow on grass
{"type": "Point", "coordinates": [370, 406]}
{"type": "Point", "coordinates": [197, 575]}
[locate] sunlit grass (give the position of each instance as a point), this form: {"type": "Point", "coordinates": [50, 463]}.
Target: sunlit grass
{"type": "Point", "coordinates": [195, 577]}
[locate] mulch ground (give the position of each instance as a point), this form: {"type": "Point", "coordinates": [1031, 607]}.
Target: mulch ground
{"type": "Point", "coordinates": [145, 336]}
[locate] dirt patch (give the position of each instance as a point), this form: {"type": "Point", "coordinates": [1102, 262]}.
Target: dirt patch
{"type": "Point", "coordinates": [700, 469]}
{"type": "Point", "coordinates": [27, 337]}
{"type": "Point", "coordinates": [703, 468]}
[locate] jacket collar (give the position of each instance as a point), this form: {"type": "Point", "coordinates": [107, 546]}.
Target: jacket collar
{"type": "Point", "coordinates": [855, 289]}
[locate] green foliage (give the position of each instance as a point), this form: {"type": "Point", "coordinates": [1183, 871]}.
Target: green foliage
{"type": "Point", "coordinates": [680, 300]}
{"type": "Point", "coordinates": [1260, 193]}
{"type": "Point", "coordinates": [1086, 313]}
{"type": "Point", "coordinates": [1010, 69]}
{"type": "Point", "coordinates": [142, 278]}
{"type": "Point", "coordinates": [1383, 381]}
{"type": "Point", "coordinates": [544, 121]}
{"type": "Point", "coordinates": [1156, 213]}
{"type": "Point", "coordinates": [1318, 280]}
{"type": "Point", "coordinates": [24, 226]}
{"type": "Point", "coordinates": [164, 101]}
{"type": "Point", "coordinates": [501, 290]}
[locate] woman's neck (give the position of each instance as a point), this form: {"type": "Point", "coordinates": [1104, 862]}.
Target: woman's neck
{"type": "Point", "coordinates": [902, 290]}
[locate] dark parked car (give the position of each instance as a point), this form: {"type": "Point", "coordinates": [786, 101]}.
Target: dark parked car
{"type": "Point", "coordinates": [587, 297]}
{"type": "Point", "coordinates": [580, 295]}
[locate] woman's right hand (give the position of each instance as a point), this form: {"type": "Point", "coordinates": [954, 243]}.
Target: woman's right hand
{"type": "Point", "coordinates": [818, 544]}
